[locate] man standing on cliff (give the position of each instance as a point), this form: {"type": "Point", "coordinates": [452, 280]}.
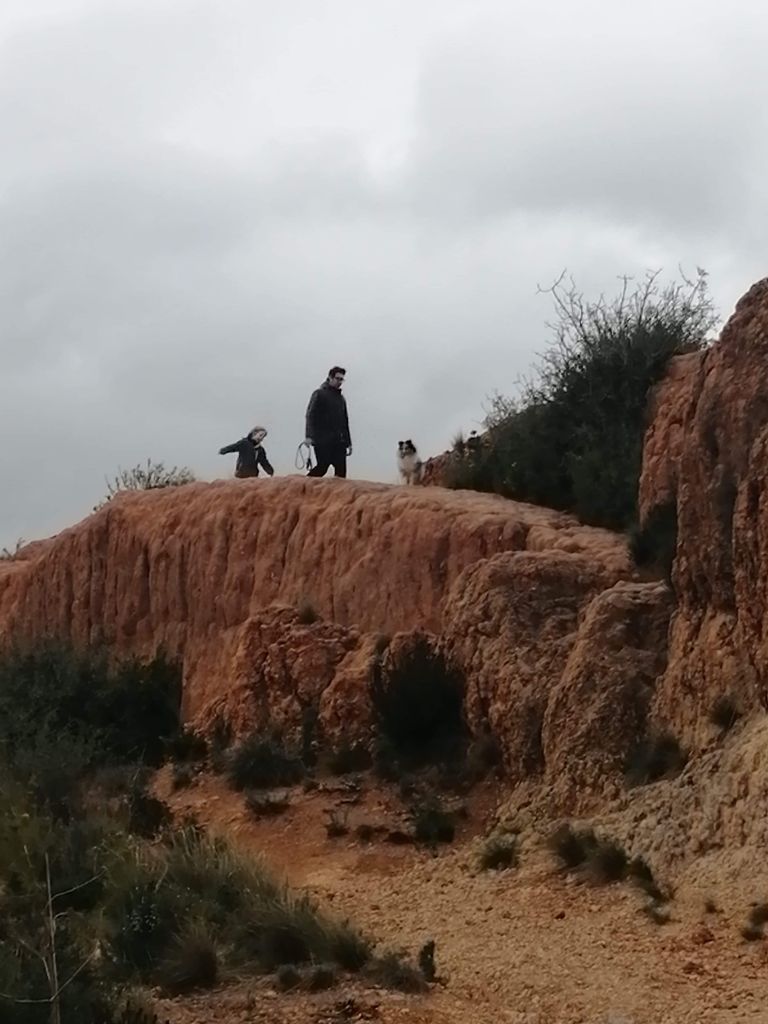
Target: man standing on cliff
{"type": "Point", "coordinates": [327, 428]}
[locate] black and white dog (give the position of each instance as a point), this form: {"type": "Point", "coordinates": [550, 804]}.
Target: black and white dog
{"type": "Point", "coordinates": [408, 462]}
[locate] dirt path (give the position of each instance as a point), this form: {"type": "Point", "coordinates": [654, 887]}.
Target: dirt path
{"type": "Point", "coordinates": [524, 946]}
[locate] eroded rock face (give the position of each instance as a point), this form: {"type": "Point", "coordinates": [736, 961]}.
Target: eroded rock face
{"type": "Point", "coordinates": [562, 648]}
{"type": "Point", "coordinates": [706, 449]}
{"type": "Point", "coordinates": [213, 573]}
{"type": "Point", "coordinates": [511, 623]}
{"type": "Point", "coordinates": [596, 712]}
{"type": "Point", "coordinates": [309, 681]}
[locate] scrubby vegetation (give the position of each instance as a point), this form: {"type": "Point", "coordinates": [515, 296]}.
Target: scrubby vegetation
{"type": "Point", "coordinates": [307, 612]}
{"type": "Point", "coordinates": [88, 904]}
{"type": "Point", "coordinates": [725, 713]}
{"type": "Point", "coordinates": [602, 860]}
{"type": "Point", "coordinates": [149, 477]}
{"type": "Point", "coordinates": [498, 852]}
{"type": "Point", "coordinates": [572, 438]}
{"type": "Point", "coordinates": [658, 756]}
{"type": "Point", "coordinates": [432, 823]}
{"type": "Point", "coordinates": [418, 703]}
{"type": "Point", "coordinates": [756, 922]}
{"type": "Point", "coordinates": [267, 805]}
{"type": "Point", "coordinates": [261, 762]}
{"type": "Point", "coordinates": [11, 554]}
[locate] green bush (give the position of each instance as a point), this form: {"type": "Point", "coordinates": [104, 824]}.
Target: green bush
{"type": "Point", "coordinates": [121, 713]}
{"type": "Point", "coordinates": [11, 554]}
{"type": "Point", "coordinates": [261, 762]}
{"type": "Point", "coordinates": [149, 477]}
{"type": "Point", "coordinates": [754, 930]}
{"type": "Point", "coordinates": [426, 961]}
{"type": "Point", "coordinates": [147, 816]}
{"type": "Point", "coordinates": [725, 713]}
{"type": "Point", "coordinates": [182, 775]}
{"type": "Point", "coordinates": [173, 913]}
{"type": "Point", "coordinates": [659, 756]}
{"type": "Point", "coordinates": [307, 612]}
{"type": "Point", "coordinates": [608, 862]}
{"type": "Point", "coordinates": [288, 978]}
{"type": "Point", "coordinates": [639, 871]}
{"type": "Point", "coordinates": [498, 853]}
{"type": "Point", "coordinates": [603, 860]}
{"type": "Point", "coordinates": [573, 438]}
{"type": "Point", "coordinates": [431, 823]}
{"type": "Point", "coordinates": [191, 963]}
{"type": "Point", "coordinates": [418, 704]}
{"type": "Point", "coordinates": [572, 847]}
{"type": "Point", "coordinates": [336, 826]}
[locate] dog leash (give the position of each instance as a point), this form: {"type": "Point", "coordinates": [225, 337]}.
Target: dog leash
{"type": "Point", "coordinates": [303, 460]}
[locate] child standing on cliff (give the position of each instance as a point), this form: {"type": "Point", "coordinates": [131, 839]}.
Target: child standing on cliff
{"type": "Point", "coordinates": [250, 454]}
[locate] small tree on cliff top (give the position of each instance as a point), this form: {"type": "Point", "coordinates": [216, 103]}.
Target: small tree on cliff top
{"type": "Point", "coordinates": [572, 439]}
{"type": "Point", "coordinates": [149, 477]}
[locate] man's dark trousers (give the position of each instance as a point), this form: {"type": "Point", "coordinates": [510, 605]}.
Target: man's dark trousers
{"type": "Point", "coordinates": [330, 455]}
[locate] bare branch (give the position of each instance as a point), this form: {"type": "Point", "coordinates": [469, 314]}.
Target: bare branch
{"type": "Point", "coordinates": [77, 888]}
{"type": "Point", "coordinates": [74, 975]}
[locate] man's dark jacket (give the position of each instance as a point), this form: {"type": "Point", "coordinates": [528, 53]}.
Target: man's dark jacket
{"type": "Point", "coordinates": [327, 419]}
{"type": "Point", "coordinates": [249, 457]}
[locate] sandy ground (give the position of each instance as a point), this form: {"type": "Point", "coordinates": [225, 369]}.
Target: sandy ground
{"type": "Point", "coordinates": [525, 946]}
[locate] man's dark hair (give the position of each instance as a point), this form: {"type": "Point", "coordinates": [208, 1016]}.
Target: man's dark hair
{"type": "Point", "coordinates": [336, 369]}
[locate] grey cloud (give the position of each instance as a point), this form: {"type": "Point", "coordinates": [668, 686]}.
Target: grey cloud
{"type": "Point", "coordinates": [663, 124]}
{"type": "Point", "coordinates": [194, 225]}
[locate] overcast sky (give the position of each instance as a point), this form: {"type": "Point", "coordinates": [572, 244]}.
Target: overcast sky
{"type": "Point", "coordinates": [206, 203]}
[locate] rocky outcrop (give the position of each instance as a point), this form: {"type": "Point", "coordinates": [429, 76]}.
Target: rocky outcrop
{"type": "Point", "coordinates": [706, 450]}
{"type": "Point", "coordinates": [308, 680]}
{"type": "Point", "coordinates": [511, 623]}
{"type": "Point", "coordinates": [213, 574]}
{"type": "Point", "coordinates": [669, 408]}
{"type": "Point", "coordinates": [598, 708]}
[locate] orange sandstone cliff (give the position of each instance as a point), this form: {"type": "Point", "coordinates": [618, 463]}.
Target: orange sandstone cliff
{"type": "Point", "coordinates": [213, 574]}
{"type": "Point", "coordinates": [706, 452]}
{"type": "Point", "coordinates": [568, 655]}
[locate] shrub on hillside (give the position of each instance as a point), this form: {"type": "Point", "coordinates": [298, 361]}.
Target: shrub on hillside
{"type": "Point", "coordinates": [172, 912]}
{"type": "Point", "coordinates": [498, 853]}
{"type": "Point", "coordinates": [418, 704]}
{"type": "Point", "coordinates": [11, 554]}
{"type": "Point", "coordinates": [572, 847]}
{"type": "Point", "coordinates": [196, 883]}
{"type": "Point", "coordinates": [432, 823]}
{"type": "Point", "coordinates": [307, 612]}
{"type": "Point", "coordinates": [659, 756]}
{"type": "Point", "coordinates": [120, 713]}
{"type": "Point", "coordinates": [149, 477]}
{"type": "Point", "coordinates": [725, 713]}
{"type": "Point", "coordinates": [192, 962]}
{"type": "Point", "coordinates": [262, 762]}
{"type": "Point", "coordinates": [602, 861]}
{"type": "Point", "coordinates": [573, 438]}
